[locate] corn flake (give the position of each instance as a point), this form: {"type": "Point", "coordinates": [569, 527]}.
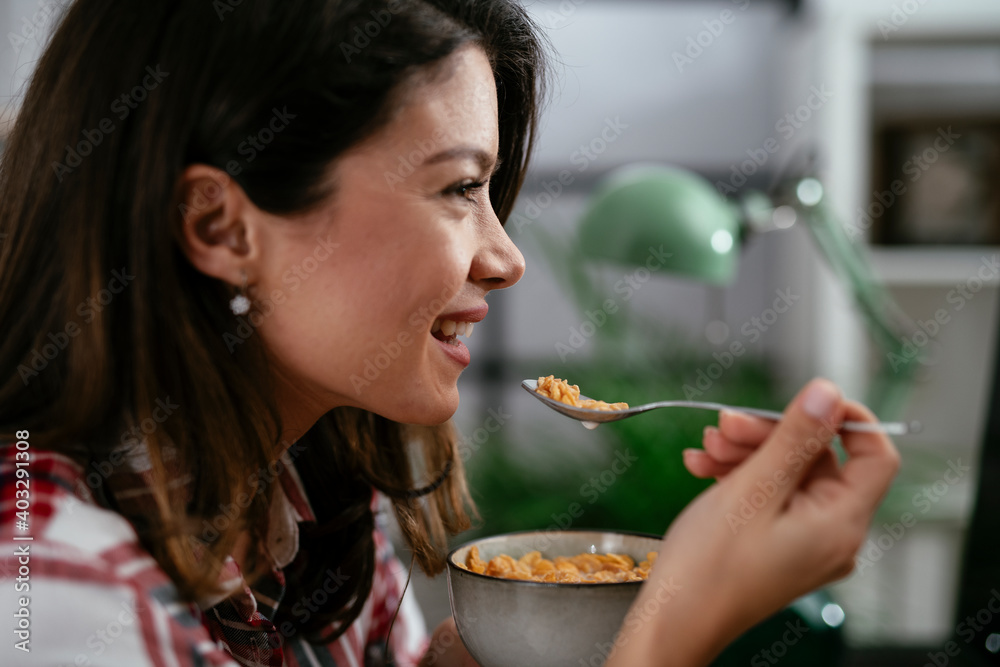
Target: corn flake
{"type": "Point", "coordinates": [564, 392]}
{"type": "Point", "coordinates": [583, 569]}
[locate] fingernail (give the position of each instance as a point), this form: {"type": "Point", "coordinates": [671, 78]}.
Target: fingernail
{"type": "Point", "coordinates": [820, 399]}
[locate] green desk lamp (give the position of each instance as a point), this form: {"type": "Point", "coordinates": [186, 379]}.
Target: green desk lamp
{"type": "Point", "coordinates": [645, 206]}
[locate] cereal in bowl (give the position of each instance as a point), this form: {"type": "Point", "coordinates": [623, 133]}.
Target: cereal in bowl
{"type": "Point", "coordinates": [583, 569]}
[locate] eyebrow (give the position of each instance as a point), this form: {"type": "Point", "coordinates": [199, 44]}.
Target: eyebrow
{"type": "Point", "coordinates": [486, 162]}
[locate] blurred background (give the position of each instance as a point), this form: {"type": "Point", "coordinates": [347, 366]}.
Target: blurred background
{"type": "Point", "coordinates": [756, 96]}
{"type": "Point", "coordinates": [859, 144]}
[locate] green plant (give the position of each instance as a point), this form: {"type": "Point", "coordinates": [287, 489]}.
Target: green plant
{"type": "Point", "coordinates": [535, 484]}
{"type": "Point", "coordinates": [636, 480]}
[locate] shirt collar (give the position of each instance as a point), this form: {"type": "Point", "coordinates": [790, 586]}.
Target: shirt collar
{"type": "Point", "coordinates": [128, 482]}
{"type": "Point", "coordinates": [286, 513]}
{"type": "Point", "coordinates": [292, 485]}
{"type": "Point", "coordinates": [289, 507]}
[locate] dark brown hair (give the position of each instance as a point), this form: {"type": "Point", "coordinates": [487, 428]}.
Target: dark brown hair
{"type": "Point", "coordinates": [103, 320]}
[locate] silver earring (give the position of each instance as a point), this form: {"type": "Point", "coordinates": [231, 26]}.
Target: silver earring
{"type": "Point", "coordinates": [240, 304]}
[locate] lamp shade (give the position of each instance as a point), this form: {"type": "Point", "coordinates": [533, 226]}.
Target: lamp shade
{"type": "Point", "coordinates": [640, 208]}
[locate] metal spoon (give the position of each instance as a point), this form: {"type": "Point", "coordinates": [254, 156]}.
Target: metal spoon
{"type": "Point", "coordinates": [592, 418]}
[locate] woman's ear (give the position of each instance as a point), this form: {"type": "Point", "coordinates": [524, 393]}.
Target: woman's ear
{"type": "Point", "coordinates": [216, 234]}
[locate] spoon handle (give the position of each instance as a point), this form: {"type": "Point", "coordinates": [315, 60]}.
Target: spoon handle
{"type": "Point", "coordinates": [890, 428]}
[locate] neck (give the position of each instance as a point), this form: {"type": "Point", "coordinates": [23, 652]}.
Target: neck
{"type": "Point", "coordinates": [299, 411]}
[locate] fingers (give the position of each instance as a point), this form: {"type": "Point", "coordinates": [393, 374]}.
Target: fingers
{"type": "Point", "coordinates": [743, 429]}
{"type": "Point", "coordinates": [722, 453]}
{"type": "Point", "coordinates": [873, 460]}
{"type": "Point", "coordinates": [701, 464]}
{"type": "Point", "coordinates": [809, 424]}
{"type": "Point", "coordinates": [446, 648]}
{"type": "Point", "coordinates": [823, 480]}
{"type": "Point", "coordinates": [722, 449]}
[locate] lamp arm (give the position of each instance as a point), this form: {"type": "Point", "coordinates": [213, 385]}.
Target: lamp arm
{"type": "Point", "coordinates": [564, 259]}
{"type": "Point", "coordinates": [885, 320]}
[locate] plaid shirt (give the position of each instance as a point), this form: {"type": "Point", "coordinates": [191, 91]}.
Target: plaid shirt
{"type": "Point", "coordinates": [83, 591]}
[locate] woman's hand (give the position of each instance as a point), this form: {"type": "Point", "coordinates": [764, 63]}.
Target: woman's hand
{"type": "Point", "coordinates": [446, 648]}
{"type": "Point", "coordinates": [737, 436]}
{"type": "Point", "coordinates": [784, 519]}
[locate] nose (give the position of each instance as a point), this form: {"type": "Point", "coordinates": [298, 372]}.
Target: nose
{"type": "Point", "coordinates": [497, 263]}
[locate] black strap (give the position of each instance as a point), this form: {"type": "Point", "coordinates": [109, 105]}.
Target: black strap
{"type": "Point", "coordinates": [980, 577]}
{"type": "Point", "coordinates": [423, 491]}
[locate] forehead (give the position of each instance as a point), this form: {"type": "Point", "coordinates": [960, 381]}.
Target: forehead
{"type": "Point", "coordinates": [452, 103]}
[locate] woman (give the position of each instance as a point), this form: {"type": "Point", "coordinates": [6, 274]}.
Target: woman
{"type": "Point", "coordinates": [243, 238]}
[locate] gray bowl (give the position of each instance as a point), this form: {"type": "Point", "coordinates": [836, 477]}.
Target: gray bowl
{"type": "Point", "coordinates": [512, 623]}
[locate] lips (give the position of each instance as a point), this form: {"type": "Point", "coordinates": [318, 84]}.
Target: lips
{"type": "Point", "coordinates": [449, 326]}
{"type": "Point", "coordinates": [445, 329]}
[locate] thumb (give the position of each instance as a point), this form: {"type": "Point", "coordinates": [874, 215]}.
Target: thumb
{"type": "Point", "coordinates": [809, 424]}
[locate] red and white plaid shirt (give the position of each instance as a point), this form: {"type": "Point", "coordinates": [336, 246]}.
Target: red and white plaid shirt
{"type": "Point", "coordinates": [82, 591]}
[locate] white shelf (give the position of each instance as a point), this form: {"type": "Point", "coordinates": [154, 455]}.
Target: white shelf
{"type": "Point", "coordinates": [940, 266]}
{"type": "Point", "coordinates": [918, 65]}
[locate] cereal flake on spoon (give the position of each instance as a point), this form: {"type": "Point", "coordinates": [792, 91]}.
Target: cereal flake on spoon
{"type": "Point", "coordinates": [564, 392]}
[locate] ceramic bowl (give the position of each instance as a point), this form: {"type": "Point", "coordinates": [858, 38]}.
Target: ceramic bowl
{"type": "Point", "coordinates": [513, 623]}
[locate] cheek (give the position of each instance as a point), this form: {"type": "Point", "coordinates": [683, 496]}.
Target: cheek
{"type": "Point", "coordinates": [309, 309]}
{"type": "Point", "coordinates": [356, 323]}
{"type": "Point", "coordinates": [302, 328]}
{"type": "Point", "coordinates": [417, 279]}
{"type": "Point", "coordinates": [342, 314]}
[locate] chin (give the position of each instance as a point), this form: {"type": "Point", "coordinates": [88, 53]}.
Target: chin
{"type": "Point", "coordinates": [426, 413]}
{"type": "Point", "coordinates": [432, 415]}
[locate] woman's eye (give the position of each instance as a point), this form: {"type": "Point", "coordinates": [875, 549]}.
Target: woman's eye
{"type": "Point", "coordinates": [466, 189]}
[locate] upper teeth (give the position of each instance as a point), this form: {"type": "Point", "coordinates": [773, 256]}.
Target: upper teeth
{"type": "Point", "coordinates": [453, 328]}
